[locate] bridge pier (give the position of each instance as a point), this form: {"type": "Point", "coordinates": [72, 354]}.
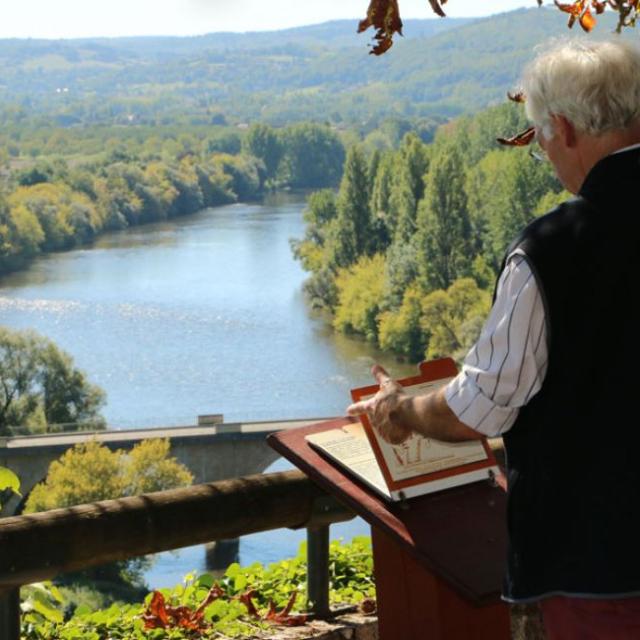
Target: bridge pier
{"type": "Point", "coordinates": [221, 553]}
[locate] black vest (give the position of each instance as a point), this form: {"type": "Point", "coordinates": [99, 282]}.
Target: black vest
{"type": "Point", "coordinates": [573, 455]}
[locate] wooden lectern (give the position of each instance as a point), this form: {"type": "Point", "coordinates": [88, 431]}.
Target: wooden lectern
{"type": "Point", "coordinates": [438, 559]}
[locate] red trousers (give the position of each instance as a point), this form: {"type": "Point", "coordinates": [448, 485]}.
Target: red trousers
{"type": "Point", "coordinates": [591, 619]}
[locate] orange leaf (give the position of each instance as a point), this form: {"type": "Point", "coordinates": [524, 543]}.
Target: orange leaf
{"type": "Point", "coordinates": [579, 10]}
{"type": "Point", "coordinates": [587, 21]}
{"type": "Point", "coordinates": [246, 600]}
{"type": "Point", "coordinates": [156, 615]}
{"type": "Point", "coordinates": [521, 139]}
{"type": "Point", "coordinates": [284, 617]}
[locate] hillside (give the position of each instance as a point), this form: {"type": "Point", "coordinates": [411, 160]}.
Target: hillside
{"type": "Point", "coordinates": [441, 67]}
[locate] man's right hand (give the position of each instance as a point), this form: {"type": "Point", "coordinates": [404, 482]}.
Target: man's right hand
{"type": "Point", "coordinates": [387, 410]}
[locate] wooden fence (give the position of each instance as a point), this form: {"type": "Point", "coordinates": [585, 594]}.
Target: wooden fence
{"type": "Point", "coordinates": [40, 546]}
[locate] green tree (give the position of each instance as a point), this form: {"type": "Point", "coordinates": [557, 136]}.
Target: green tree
{"type": "Point", "coordinates": [401, 330]}
{"type": "Point", "coordinates": [40, 388]}
{"type": "Point", "coordinates": [360, 297]}
{"type": "Point", "coordinates": [263, 142]}
{"type": "Point", "coordinates": [350, 234]}
{"type": "Point", "coordinates": [20, 236]}
{"type": "Point", "coordinates": [90, 472]}
{"type": "Point", "coordinates": [452, 319]}
{"type": "Point", "coordinates": [443, 224]}
{"type": "Point", "coordinates": [504, 189]}
{"type": "Point", "coordinates": [313, 156]}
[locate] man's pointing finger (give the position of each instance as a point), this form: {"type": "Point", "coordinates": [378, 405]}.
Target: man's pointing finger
{"type": "Point", "coordinates": [380, 374]}
{"type": "Point", "coordinates": [358, 408]}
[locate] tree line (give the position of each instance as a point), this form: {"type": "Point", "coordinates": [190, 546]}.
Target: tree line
{"type": "Point", "coordinates": [406, 253]}
{"type": "Point", "coordinates": [59, 203]}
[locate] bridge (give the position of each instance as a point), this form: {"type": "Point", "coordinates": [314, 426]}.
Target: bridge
{"type": "Point", "coordinates": [211, 452]}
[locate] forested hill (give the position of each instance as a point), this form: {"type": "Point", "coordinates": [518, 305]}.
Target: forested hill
{"type": "Point", "coordinates": [441, 67]}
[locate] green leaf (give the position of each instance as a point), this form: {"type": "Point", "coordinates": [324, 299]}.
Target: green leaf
{"type": "Point", "coordinates": [9, 480]}
{"type": "Point", "coordinates": [240, 582]}
{"type": "Point", "coordinates": [42, 605]}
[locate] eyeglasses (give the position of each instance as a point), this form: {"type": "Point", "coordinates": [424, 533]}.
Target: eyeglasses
{"type": "Point", "coordinates": [538, 153]}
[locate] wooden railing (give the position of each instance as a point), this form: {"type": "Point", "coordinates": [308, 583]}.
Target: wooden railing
{"type": "Point", "coordinates": [40, 546]}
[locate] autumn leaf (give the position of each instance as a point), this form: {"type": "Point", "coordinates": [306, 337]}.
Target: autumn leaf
{"type": "Point", "coordinates": [160, 615]}
{"type": "Point", "coordinates": [521, 139]}
{"type": "Point", "coordinates": [246, 599]}
{"type": "Point", "coordinates": [284, 617]}
{"type": "Point", "coordinates": [587, 21]}
{"type": "Point", "coordinates": [384, 16]}
{"type": "Point", "coordinates": [578, 10]}
{"type": "Point", "coordinates": [156, 617]}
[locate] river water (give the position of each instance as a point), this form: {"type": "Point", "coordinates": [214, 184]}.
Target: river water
{"type": "Point", "coordinates": [204, 314]}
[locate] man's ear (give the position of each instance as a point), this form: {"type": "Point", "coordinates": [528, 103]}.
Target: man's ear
{"type": "Point", "coordinates": [565, 130]}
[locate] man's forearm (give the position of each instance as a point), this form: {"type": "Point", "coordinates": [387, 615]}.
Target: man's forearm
{"type": "Point", "coordinates": [431, 416]}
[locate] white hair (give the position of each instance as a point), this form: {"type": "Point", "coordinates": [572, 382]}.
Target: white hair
{"type": "Point", "coordinates": [594, 84]}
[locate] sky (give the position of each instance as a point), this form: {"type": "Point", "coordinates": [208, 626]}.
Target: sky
{"type": "Point", "coordinates": [90, 18]}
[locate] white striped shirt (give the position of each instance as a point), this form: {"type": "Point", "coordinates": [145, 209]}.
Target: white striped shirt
{"type": "Point", "coordinates": [508, 363]}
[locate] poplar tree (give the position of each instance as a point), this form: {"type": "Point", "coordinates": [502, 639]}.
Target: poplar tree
{"type": "Point", "coordinates": [443, 227]}
{"type": "Point", "coordinates": [351, 234]}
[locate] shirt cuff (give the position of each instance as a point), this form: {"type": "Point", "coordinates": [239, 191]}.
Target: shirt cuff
{"type": "Point", "coordinates": [475, 409]}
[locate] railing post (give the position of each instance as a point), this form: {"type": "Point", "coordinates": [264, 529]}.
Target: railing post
{"type": "Point", "coordinates": [318, 569]}
{"type": "Point", "coordinates": [10, 615]}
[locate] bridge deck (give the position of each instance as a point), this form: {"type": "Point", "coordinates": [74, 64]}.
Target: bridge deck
{"type": "Point", "coordinates": [112, 436]}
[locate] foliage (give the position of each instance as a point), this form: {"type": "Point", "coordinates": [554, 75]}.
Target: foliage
{"type": "Point", "coordinates": [41, 389]}
{"type": "Point", "coordinates": [412, 268]}
{"type": "Point", "coordinates": [350, 234]}
{"type": "Point", "coordinates": [227, 616]}
{"type": "Point", "coordinates": [263, 143]}
{"type": "Point", "coordinates": [401, 330]}
{"type": "Point", "coordinates": [91, 472]}
{"type": "Point", "coordinates": [9, 485]}
{"type": "Point", "coordinates": [453, 318]}
{"type": "Point", "coordinates": [360, 294]}
{"type": "Point", "coordinates": [443, 227]}
{"type": "Point", "coordinates": [313, 156]}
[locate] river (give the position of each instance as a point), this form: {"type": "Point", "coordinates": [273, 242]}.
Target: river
{"type": "Point", "coordinates": [203, 314]}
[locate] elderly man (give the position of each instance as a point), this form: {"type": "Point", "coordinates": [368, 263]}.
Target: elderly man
{"type": "Point", "coordinates": [553, 371]}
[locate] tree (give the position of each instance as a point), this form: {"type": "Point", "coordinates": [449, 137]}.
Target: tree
{"type": "Point", "coordinates": [443, 222]}
{"type": "Point", "coordinates": [40, 388]}
{"type": "Point", "coordinates": [313, 156]}
{"type": "Point", "coordinates": [20, 236]}
{"type": "Point", "coordinates": [264, 143]}
{"type": "Point", "coordinates": [90, 472]}
{"type": "Point", "coordinates": [360, 295]}
{"type": "Point", "coordinates": [453, 319]}
{"type": "Point", "coordinates": [503, 191]}
{"type": "Point", "coordinates": [401, 330]}
{"type": "Point", "coordinates": [350, 234]}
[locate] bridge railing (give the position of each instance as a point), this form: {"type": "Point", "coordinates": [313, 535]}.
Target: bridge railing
{"type": "Point", "coordinates": [40, 546]}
